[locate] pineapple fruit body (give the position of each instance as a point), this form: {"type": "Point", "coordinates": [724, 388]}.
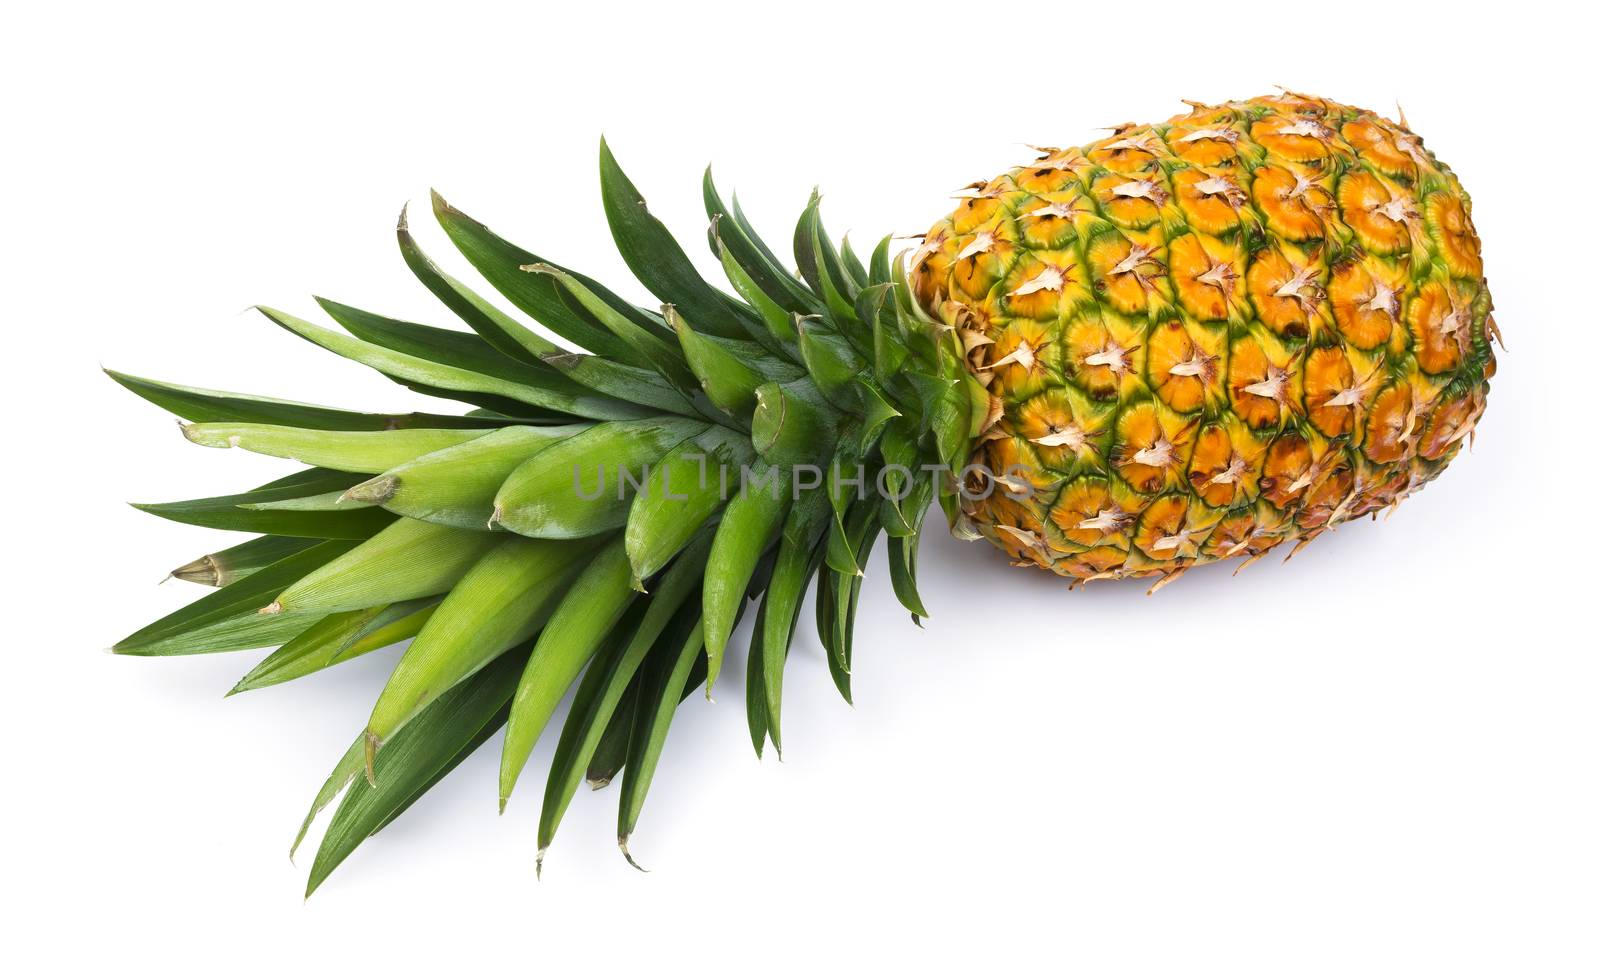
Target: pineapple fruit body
{"type": "Point", "coordinates": [1212, 336]}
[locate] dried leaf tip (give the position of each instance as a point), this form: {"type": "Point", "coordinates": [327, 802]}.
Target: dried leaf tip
{"type": "Point", "coordinates": [206, 571]}
{"type": "Point", "coordinates": [375, 491]}
{"type": "Point", "coordinates": [538, 866]}
{"type": "Point", "coordinates": [205, 436]}
{"type": "Point", "coordinates": [622, 843]}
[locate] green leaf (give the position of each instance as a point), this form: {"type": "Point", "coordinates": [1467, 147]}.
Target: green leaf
{"type": "Point", "coordinates": [903, 574]}
{"type": "Point", "coordinates": [612, 752]}
{"type": "Point", "coordinates": [457, 486]}
{"type": "Point", "coordinates": [778, 321]}
{"type": "Point", "coordinates": [749, 525]}
{"type": "Point", "coordinates": [889, 352]}
{"type": "Point", "coordinates": [588, 611]}
{"type": "Point", "coordinates": [786, 589]}
{"type": "Point", "coordinates": [805, 250]}
{"type": "Point", "coordinates": [563, 492]}
{"type": "Point", "coordinates": [837, 551]}
{"type": "Point", "coordinates": [839, 592]}
{"type": "Point", "coordinates": [360, 452]}
{"type": "Point", "coordinates": [743, 221]}
{"type": "Point", "coordinates": [537, 295]}
{"type": "Point", "coordinates": [228, 618]}
{"type": "Point", "coordinates": [485, 734]}
{"type": "Point", "coordinates": [946, 405]}
{"type": "Point", "coordinates": [820, 266]}
{"type": "Point", "coordinates": [728, 382]}
{"type": "Point", "coordinates": [198, 404]}
{"type": "Point", "coordinates": [664, 678]}
{"type": "Point", "coordinates": [346, 769]}
{"type": "Point", "coordinates": [501, 602]}
{"type": "Point", "coordinates": [642, 345]}
{"type": "Point", "coordinates": [791, 424]}
{"type": "Point", "coordinates": [407, 560]}
{"type": "Point", "coordinates": [505, 333]}
{"type": "Point", "coordinates": [335, 639]}
{"type": "Point", "coordinates": [876, 412]}
{"type": "Point", "coordinates": [770, 365]}
{"type": "Point", "coordinates": [686, 487]}
{"type": "Point", "coordinates": [333, 500]}
{"type": "Point", "coordinates": [853, 268]}
{"type": "Point", "coordinates": [878, 272]}
{"type": "Point", "coordinates": [827, 631]}
{"type": "Point", "coordinates": [603, 686]}
{"type": "Point", "coordinates": [755, 698]}
{"type": "Point", "coordinates": [753, 257]}
{"type": "Point", "coordinates": [608, 678]}
{"type": "Point", "coordinates": [864, 531]}
{"type": "Point", "coordinates": [245, 629]}
{"type": "Point", "coordinates": [416, 758]}
{"type": "Point", "coordinates": [624, 382]}
{"type": "Point", "coordinates": [657, 260]}
{"type": "Point", "coordinates": [921, 333]}
{"type": "Point", "coordinates": [227, 513]}
{"type": "Point", "coordinates": [453, 382]}
{"type": "Point", "coordinates": [457, 349]}
{"type": "Point", "coordinates": [832, 362]}
{"type": "Point", "coordinates": [848, 480]}
{"type": "Point", "coordinates": [904, 482]}
{"type": "Point", "coordinates": [241, 560]}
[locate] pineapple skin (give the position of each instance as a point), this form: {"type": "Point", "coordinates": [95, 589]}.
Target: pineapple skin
{"type": "Point", "coordinates": [1212, 336]}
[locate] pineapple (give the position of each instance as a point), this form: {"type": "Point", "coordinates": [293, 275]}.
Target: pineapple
{"type": "Point", "coordinates": [1208, 337]}
{"type": "Point", "coordinates": [1186, 342]}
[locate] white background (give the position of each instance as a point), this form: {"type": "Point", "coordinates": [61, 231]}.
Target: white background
{"type": "Point", "coordinates": [1388, 744]}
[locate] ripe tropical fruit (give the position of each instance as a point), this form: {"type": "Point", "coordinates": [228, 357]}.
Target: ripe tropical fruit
{"type": "Point", "coordinates": [1204, 338]}
{"type": "Point", "coordinates": [1186, 342]}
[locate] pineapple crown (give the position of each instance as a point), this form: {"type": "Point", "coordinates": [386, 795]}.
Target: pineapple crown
{"type": "Point", "coordinates": [604, 513]}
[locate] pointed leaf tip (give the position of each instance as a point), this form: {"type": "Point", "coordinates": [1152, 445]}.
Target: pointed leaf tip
{"type": "Point", "coordinates": [622, 843]}
{"type": "Point", "coordinates": [378, 490]}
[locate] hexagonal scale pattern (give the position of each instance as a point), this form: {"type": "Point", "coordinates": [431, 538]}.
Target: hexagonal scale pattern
{"type": "Point", "coordinates": [1211, 336]}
